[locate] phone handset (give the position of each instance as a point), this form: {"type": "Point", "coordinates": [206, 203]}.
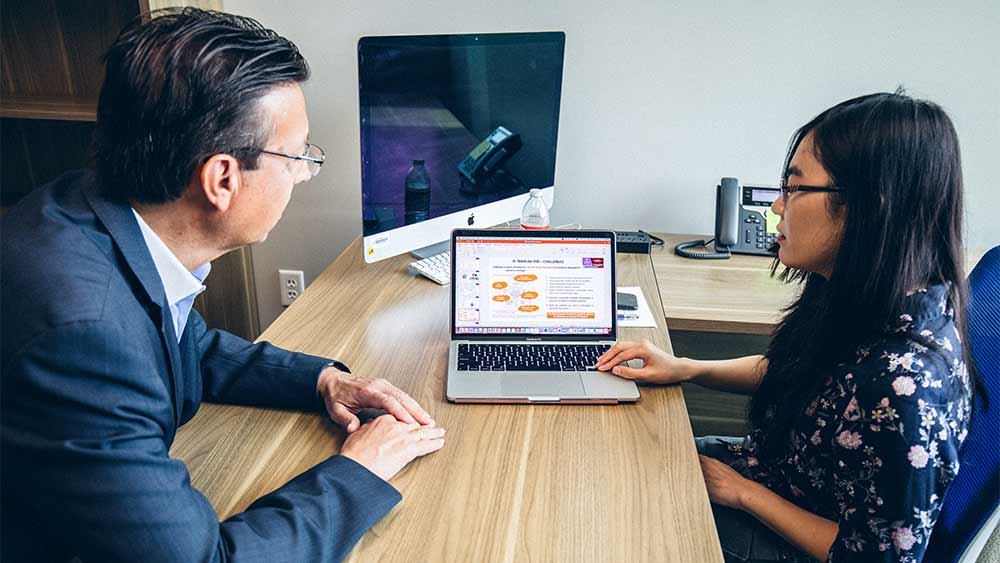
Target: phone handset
{"type": "Point", "coordinates": [727, 214]}
{"type": "Point", "coordinates": [727, 224]}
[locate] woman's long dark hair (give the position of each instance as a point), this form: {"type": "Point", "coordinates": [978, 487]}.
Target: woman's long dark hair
{"type": "Point", "coordinates": [899, 159]}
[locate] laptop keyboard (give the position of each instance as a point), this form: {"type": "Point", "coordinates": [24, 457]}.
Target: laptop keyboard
{"type": "Point", "coordinates": [523, 357]}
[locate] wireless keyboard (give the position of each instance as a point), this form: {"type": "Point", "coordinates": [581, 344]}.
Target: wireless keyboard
{"type": "Point", "coordinates": [436, 268]}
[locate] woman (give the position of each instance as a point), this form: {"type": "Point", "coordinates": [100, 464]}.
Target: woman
{"type": "Point", "coordinates": [862, 401]}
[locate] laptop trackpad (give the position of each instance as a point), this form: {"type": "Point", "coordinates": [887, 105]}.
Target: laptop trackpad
{"type": "Point", "coordinates": [544, 384]}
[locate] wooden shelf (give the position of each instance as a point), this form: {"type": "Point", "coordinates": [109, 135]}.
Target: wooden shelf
{"type": "Point", "coordinates": [41, 107]}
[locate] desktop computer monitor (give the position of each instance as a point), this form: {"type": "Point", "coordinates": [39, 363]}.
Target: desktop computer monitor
{"type": "Point", "coordinates": [455, 131]}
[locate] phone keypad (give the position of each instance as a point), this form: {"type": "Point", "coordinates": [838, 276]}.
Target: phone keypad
{"type": "Point", "coordinates": [755, 235]}
{"type": "Point", "coordinates": [764, 239]}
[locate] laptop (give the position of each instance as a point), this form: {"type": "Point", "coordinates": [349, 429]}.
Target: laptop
{"type": "Point", "coordinates": [531, 311]}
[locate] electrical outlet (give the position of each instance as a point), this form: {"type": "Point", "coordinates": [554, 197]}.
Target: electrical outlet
{"type": "Point", "coordinates": [291, 284]}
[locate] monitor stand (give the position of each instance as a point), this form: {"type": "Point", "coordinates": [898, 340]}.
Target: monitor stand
{"type": "Point", "coordinates": [432, 250]}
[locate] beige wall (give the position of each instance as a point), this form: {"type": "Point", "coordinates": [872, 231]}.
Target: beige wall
{"type": "Point", "coordinates": [660, 99]}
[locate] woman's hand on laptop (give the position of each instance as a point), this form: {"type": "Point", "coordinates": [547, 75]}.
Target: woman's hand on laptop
{"type": "Point", "coordinates": [657, 366]}
{"type": "Point", "coordinates": [345, 394]}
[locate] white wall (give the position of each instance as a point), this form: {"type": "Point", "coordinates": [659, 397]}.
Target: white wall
{"type": "Point", "coordinates": [660, 100]}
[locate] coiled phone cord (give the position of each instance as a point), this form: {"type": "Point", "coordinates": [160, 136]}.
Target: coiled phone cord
{"type": "Point", "coordinates": [682, 250]}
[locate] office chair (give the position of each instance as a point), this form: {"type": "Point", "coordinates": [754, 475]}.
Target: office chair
{"type": "Point", "coordinates": [971, 509]}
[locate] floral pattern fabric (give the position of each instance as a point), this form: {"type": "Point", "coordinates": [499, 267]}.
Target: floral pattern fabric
{"type": "Point", "coordinates": [877, 449]}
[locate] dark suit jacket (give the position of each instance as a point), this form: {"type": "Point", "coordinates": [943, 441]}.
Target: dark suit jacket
{"type": "Point", "coordinates": [95, 385]}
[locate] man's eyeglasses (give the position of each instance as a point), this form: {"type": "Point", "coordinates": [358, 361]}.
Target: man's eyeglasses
{"type": "Point", "coordinates": [787, 190]}
{"type": "Point", "coordinates": [313, 157]}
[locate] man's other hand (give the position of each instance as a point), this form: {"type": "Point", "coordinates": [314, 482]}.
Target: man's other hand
{"type": "Point", "coordinates": [385, 445]}
{"type": "Point", "coordinates": [345, 394]}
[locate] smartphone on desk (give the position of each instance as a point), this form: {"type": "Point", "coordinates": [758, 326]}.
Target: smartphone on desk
{"type": "Point", "coordinates": [627, 302]}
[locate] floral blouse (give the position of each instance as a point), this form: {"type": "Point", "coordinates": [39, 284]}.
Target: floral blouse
{"type": "Point", "coordinates": [877, 449]}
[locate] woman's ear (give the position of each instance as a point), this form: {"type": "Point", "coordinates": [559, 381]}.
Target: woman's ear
{"type": "Point", "coordinates": [220, 180]}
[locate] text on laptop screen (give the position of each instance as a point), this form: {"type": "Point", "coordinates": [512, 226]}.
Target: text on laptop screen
{"type": "Point", "coordinates": [533, 285]}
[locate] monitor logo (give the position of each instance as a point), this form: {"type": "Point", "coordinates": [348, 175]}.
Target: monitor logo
{"type": "Point", "coordinates": [472, 219]}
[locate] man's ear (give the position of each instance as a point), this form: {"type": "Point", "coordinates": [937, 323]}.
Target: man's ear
{"type": "Point", "coordinates": [220, 180]}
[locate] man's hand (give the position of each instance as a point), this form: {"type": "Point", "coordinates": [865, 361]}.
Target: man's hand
{"type": "Point", "coordinates": [345, 394]}
{"type": "Point", "coordinates": [385, 445]}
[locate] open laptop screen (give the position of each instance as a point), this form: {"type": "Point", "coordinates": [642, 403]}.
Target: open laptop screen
{"type": "Point", "coordinates": [522, 284]}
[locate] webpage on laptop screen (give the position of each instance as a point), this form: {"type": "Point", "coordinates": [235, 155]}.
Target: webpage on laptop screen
{"type": "Point", "coordinates": [532, 285]}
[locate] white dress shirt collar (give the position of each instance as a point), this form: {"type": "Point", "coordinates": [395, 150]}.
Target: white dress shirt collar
{"type": "Point", "coordinates": [180, 285]}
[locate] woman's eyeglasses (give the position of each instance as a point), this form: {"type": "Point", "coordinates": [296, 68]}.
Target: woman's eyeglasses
{"type": "Point", "coordinates": [789, 189]}
{"type": "Point", "coordinates": [313, 157]}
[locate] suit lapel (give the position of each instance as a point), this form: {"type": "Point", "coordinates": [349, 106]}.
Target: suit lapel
{"type": "Point", "coordinates": [176, 368]}
{"type": "Point", "coordinates": [118, 219]}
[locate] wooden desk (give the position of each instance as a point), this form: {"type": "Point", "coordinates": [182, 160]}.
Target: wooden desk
{"type": "Point", "coordinates": [513, 482]}
{"type": "Point", "coordinates": [737, 295]}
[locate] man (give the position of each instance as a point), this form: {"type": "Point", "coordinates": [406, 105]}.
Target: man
{"type": "Point", "coordinates": [201, 134]}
